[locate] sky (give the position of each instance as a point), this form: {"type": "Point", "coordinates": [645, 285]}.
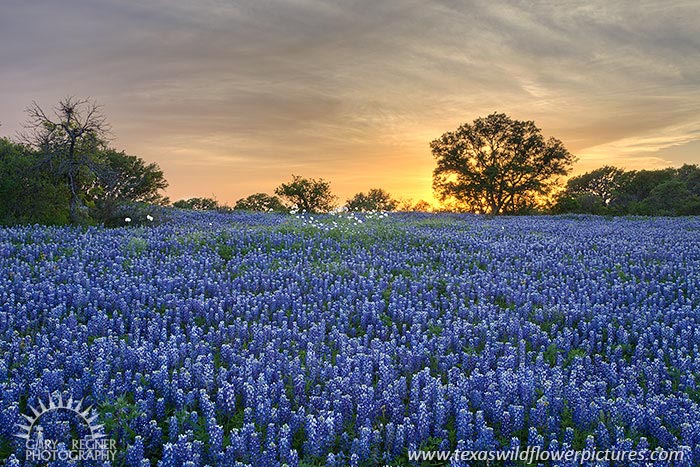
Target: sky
{"type": "Point", "coordinates": [232, 97]}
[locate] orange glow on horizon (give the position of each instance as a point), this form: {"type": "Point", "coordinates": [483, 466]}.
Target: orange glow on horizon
{"type": "Point", "coordinates": [231, 100]}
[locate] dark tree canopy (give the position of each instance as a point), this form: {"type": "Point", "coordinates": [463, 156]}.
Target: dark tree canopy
{"type": "Point", "coordinates": [603, 184]}
{"type": "Point", "coordinates": [408, 205]}
{"type": "Point", "coordinates": [497, 164]}
{"type": "Point", "coordinates": [375, 199]}
{"type": "Point", "coordinates": [122, 180]}
{"type": "Point", "coordinates": [421, 206]}
{"type": "Point", "coordinates": [643, 182]}
{"type": "Point", "coordinates": [260, 202]}
{"type": "Point", "coordinates": [663, 192]}
{"type": "Point", "coordinates": [130, 178]}
{"type": "Point", "coordinates": [70, 140]}
{"type": "Point", "coordinates": [29, 193]}
{"type": "Point", "coordinates": [63, 171]}
{"type": "Point", "coordinates": [199, 204]}
{"type": "Point", "coordinates": [308, 194]}
{"type": "Point", "coordinates": [595, 191]}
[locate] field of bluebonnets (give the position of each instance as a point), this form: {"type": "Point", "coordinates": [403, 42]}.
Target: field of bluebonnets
{"type": "Point", "coordinates": [265, 340]}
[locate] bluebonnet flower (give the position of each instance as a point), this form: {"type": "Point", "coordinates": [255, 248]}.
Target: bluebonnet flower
{"type": "Point", "coordinates": [134, 454]}
{"type": "Point", "coordinates": [252, 339]}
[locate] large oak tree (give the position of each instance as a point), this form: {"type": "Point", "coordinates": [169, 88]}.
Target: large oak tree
{"type": "Point", "coordinates": [497, 165]}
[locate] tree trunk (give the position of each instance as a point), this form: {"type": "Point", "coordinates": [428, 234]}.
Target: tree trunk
{"type": "Point", "coordinates": [74, 210]}
{"type": "Point", "coordinates": [74, 201]}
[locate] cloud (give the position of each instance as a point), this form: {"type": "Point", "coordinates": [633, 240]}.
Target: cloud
{"type": "Point", "coordinates": [644, 150]}
{"type": "Point", "coordinates": [230, 96]}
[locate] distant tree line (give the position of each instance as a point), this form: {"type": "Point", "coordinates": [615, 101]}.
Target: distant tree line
{"type": "Point", "coordinates": [302, 194]}
{"type": "Point", "coordinates": [61, 169]}
{"type": "Point", "coordinates": [613, 191]}
{"type": "Point", "coordinates": [605, 191]}
{"type": "Point", "coordinates": [307, 195]}
{"type": "Point", "coordinates": [498, 165]}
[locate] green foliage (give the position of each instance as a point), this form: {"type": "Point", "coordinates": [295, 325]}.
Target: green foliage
{"type": "Point", "coordinates": [137, 245]}
{"type": "Point", "coordinates": [573, 355]}
{"type": "Point", "coordinates": [671, 198]}
{"type": "Point", "coordinates": [119, 416]}
{"type": "Point", "coordinates": [612, 191]}
{"type": "Point", "coordinates": [6, 447]}
{"type": "Point", "coordinates": [498, 165]}
{"type": "Point", "coordinates": [64, 171]}
{"type": "Point", "coordinates": [69, 144]}
{"type": "Point", "coordinates": [550, 354]}
{"type": "Point", "coordinates": [123, 180]}
{"type": "Point", "coordinates": [308, 194]}
{"type": "Point", "coordinates": [200, 204]}
{"type": "Point", "coordinates": [434, 330]}
{"type": "Point", "coordinates": [260, 202]}
{"type": "Point", "coordinates": [593, 191]}
{"type": "Point", "coordinates": [225, 251]}
{"type": "Point", "coordinates": [386, 320]}
{"type": "Point", "coordinates": [643, 182]}
{"type": "Point", "coordinates": [375, 199]}
{"type": "Point", "coordinates": [29, 192]}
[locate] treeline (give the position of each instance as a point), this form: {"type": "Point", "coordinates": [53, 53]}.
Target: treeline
{"type": "Point", "coordinates": [114, 187]}
{"type": "Point", "coordinates": [498, 165]}
{"type": "Point", "coordinates": [614, 191]}
{"type": "Point", "coordinates": [62, 170]}
{"type": "Point", "coordinates": [604, 191]}
{"type": "Point", "coordinates": [307, 195]}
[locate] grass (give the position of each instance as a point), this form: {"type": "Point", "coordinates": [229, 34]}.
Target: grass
{"type": "Point", "coordinates": [136, 245]}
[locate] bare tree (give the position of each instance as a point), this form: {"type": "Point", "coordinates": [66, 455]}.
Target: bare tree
{"type": "Point", "coordinates": [70, 141]}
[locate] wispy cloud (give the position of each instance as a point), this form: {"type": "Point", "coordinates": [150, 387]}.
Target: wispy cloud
{"type": "Point", "coordinates": [643, 150]}
{"type": "Point", "coordinates": [232, 97]}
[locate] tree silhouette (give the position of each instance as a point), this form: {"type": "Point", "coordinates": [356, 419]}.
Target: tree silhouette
{"type": "Point", "coordinates": [375, 199]}
{"type": "Point", "coordinates": [308, 194]}
{"type": "Point", "coordinates": [497, 164]}
{"type": "Point", "coordinates": [260, 202]}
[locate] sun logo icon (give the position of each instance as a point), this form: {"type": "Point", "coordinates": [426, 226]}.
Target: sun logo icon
{"type": "Point", "coordinates": [56, 403]}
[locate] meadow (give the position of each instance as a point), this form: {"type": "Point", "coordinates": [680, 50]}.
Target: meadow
{"type": "Point", "coordinates": [268, 340]}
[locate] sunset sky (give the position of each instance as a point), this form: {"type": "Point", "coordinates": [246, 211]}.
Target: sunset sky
{"type": "Point", "coordinates": [232, 97]}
